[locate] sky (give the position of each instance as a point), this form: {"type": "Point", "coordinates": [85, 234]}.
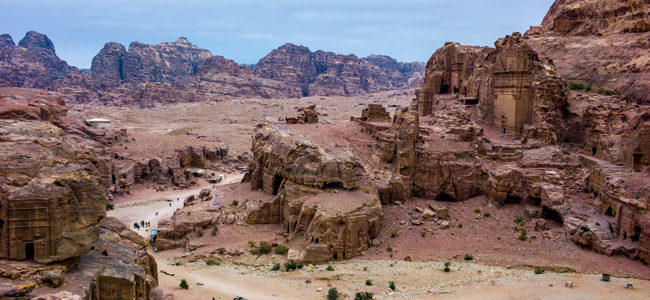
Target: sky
{"type": "Point", "coordinates": [246, 30]}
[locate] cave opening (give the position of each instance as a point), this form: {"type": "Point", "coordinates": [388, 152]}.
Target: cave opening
{"type": "Point", "coordinates": [332, 185]}
{"type": "Point", "coordinates": [2, 224]}
{"type": "Point", "coordinates": [511, 199]}
{"type": "Point", "coordinates": [277, 182]}
{"type": "Point", "coordinates": [638, 159]}
{"type": "Point", "coordinates": [609, 212]}
{"type": "Point", "coordinates": [29, 251]}
{"type": "Point", "coordinates": [551, 215]}
{"type": "Point", "coordinates": [336, 256]}
{"type": "Point", "coordinates": [444, 88]}
{"type": "Point", "coordinates": [445, 197]}
{"type": "Point", "coordinates": [636, 234]}
{"type": "Point", "coordinates": [594, 150]}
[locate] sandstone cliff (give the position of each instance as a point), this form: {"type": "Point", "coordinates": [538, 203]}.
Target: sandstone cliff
{"type": "Point", "coordinates": [602, 44]}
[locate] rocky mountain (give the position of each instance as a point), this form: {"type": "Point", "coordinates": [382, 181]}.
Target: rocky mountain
{"type": "Point", "coordinates": [308, 73]}
{"type": "Point", "coordinates": [169, 72]}
{"type": "Point", "coordinates": [600, 44]}
{"type": "Point", "coordinates": [32, 63]}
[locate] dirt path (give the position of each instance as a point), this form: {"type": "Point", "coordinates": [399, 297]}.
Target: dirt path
{"type": "Point", "coordinates": [152, 207]}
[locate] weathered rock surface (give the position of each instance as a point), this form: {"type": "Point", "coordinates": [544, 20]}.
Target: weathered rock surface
{"type": "Point", "coordinates": [308, 73]}
{"type": "Point", "coordinates": [602, 44]}
{"type": "Point", "coordinates": [45, 178]}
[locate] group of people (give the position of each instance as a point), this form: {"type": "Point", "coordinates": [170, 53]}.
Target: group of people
{"type": "Point", "coordinates": [142, 224]}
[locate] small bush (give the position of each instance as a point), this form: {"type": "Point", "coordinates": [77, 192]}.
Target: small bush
{"type": "Point", "coordinates": [519, 219]}
{"type": "Point", "coordinates": [487, 214]}
{"type": "Point", "coordinates": [212, 262]}
{"type": "Point", "coordinates": [393, 234]}
{"type": "Point", "coordinates": [184, 284]}
{"type": "Point", "coordinates": [252, 244]}
{"type": "Point", "coordinates": [199, 233]}
{"type": "Point", "coordinates": [447, 264]}
{"type": "Point", "coordinates": [214, 231]}
{"type": "Point", "coordinates": [575, 86]}
{"type": "Point", "coordinates": [307, 281]}
{"type": "Point", "coordinates": [603, 91]}
{"type": "Point", "coordinates": [265, 248]}
{"type": "Point", "coordinates": [446, 269]}
{"type": "Point", "coordinates": [423, 233]}
{"type": "Point", "coordinates": [389, 248]}
{"type": "Point", "coordinates": [256, 251]}
{"type": "Point", "coordinates": [368, 282]}
{"type": "Point", "coordinates": [189, 213]}
{"type": "Point", "coordinates": [290, 265]}
{"type": "Point", "coordinates": [365, 269]}
{"type": "Point", "coordinates": [281, 250]}
{"type": "Point", "coordinates": [523, 235]}
{"type": "Point", "coordinates": [477, 211]}
{"type": "Point", "coordinates": [539, 270]}
{"type": "Point", "coordinates": [460, 225]}
{"type": "Point", "coordinates": [110, 206]}
{"type": "Point", "coordinates": [276, 267]}
{"type": "Point", "coordinates": [363, 296]}
{"type": "Point", "coordinates": [221, 251]}
{"type": "Point", "coordinates": [329, 268]}
{"type": "Point", "coordinates": [234, 203]}
{"type": "Point", "coordinates": [469, 257]}
{"type": "Point", "coordinates": [333, 294]}
{"type": "Point", "coordinates": [391, 285]}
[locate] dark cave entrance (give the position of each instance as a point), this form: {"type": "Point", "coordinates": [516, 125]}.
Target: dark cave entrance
{"type": "Point", "coordinates": [636, 234]}
{"type": "Point", "coordinates": [609, 212]}
{"type": "Point", "coordinates": [510, 199]}
{"type": "Point", "coordinates": [444, 88]}
{"type": "Point", "coordinates": [535, 201]}
{"type": "Point", "coordinates": [551, 215]}
{"type": "Point", "coordinates": [638, 159]}
{"type": "Point", "coordinates": [29, 251]}
{"type": "Point", "coordinates": [594, 150]}
{"type": "Point", "coordinates": [2, 224]}
{"type": "Point", "coordinates": [445, 197]}
{"type": "Point", "coordinates": [277, 182]}
{"type": "Point", "coordinates": [336, 256]}
{"type": "Point", "coordinates": [332, 185]}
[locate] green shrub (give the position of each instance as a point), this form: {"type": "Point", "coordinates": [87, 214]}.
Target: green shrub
{"type": "Point", "coordinates": [393, 234]}
{"type": "Point", "coordinates": [363, 296]}
{"type": "Point", "coordinates": [234, 203]}
{"type": "Point", "coordinates": [221, 250]}
{"type": "Point", "coordinates": [460, 225]}
{"type": "Point", "coordinates": [290, 265]}
{"type": "Point", "coordinates": [307, 281]}
{"type": "Point", "coordinates": [477, 211]}
{"type": "Point", "coordinates": [333, 294]}
{"type": "Point", "coordinates": [214, 231]}
{"type": "Point", "coordinates": [539, 270]}
{"type": "Point", "coordinates": [110, 206]}
{"type": "Point", "coordinates": [276, 267]}
{"type": "Point", "coordinates": [329, 268]}
{"type": "Point", "coordinates": [199, 233]}
{"type": "Point", "coordinates": [281, 250]}
{"type": "Point", "coordinates": [389, 248]}
{"type": "Point", "coordinates": [423, 233]}
{"type": "Point", "coordinates": [519, 219]}
{"type": "Point", "coordinates": [391, 285]}
{"type": "Point", "coordinates": [575, 86]}
{"type": "Point", "coordinates": [487, 214]}
{"type": "Point", "coordinates": [265, 248]}
{"type": "Point", "coordinates": [212, 262]}
{"type": "Point", "coordinates": [446, 269]}
{"type": "Point", "coordinates": [447, 264]}
{"type": "Point", "coordinates": [603, 91]}
{"type": "Point", "coordinates": [255, 251]}
{"type": "Point", "coordinates": [469, 257]}
{"type": "Point", "coordinates": [252, 244]}
{"type": "Point", "coordinates": [184, 284]}
{"type": "Point", "coordinates": [523, 235]}
{"type": "Point", "coordinates": [368, 282]}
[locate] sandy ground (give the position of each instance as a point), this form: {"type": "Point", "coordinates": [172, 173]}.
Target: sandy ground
{"type": "Point", "coordinates": [151, 206]}
{"type": "Point", "coordinates": [251, 277]}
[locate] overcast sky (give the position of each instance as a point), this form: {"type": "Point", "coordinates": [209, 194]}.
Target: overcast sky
{"type": "Point", "coordinates": [246, 30]}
